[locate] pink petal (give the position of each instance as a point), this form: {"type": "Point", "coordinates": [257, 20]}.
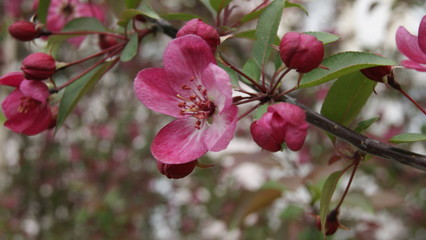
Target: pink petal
{"type": "Point", "coordinates": [35, 89]}
{"type": "Point", "coordinates": [408, 45]}
{"type": "Point", "coordinates": [263, 133]}
{"type": "Point", "coordinates": [221, 131]}
{"type": "Point", "coordinates": [295, 137]}
{"type": "Point", "coordinates": [12, 79]}
{"type": "Point", "coordinates": [11, 103]}
{"type": "Point", "coordinates": [289, 112]}
{"type": "Point", "coordinates": [179, 142]}
{"type": "Point", "coordinates": [218, 85]}
{"type": "Point", "coordinates": [152, 88]}
{"type": "Point", "coordinates": [185, 58]}
{"type": "Point", "coordinates": [422, 34]}
{"type": "Point", "coordinates": [413, 65]}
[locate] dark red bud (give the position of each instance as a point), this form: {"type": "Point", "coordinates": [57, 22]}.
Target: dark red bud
{"type": "Point", "coordinates": [300, 51]}
{"type": "Point", "coordinates": [107, 41]}
{"type": "Point", "coordinates": [332, 223]}
{"type": "Point", "coordinates": [38, 66]}
{"type": "Point", "coordinates": [24, 31]}
{"type": "Point", "coordinates": [378, 74]}
{"type": "Point", "coordinates": [201, 29]}
{"type": "Point", "coordinates": [176, 171]}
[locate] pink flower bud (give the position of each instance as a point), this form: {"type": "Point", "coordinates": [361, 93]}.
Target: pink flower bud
{"type": "Point", "coordinates": [378, 74]}
{"type": "Point", "coordinates": [201, 29]}
{"type": "Point", "coordinates": [107, 41]}
{"type": "Point", "coordinates": [24, 31]}
{"type": "Point", "coordinates": [282, 123]}
{"type": "Point", "coordinates": [38, 66]}
{"type": "Point", "coordinates": [332, 223]}
{"type": "Point", "coordinates": [300, 51]}
{"type": "Point", "coordinates": [176, 171]}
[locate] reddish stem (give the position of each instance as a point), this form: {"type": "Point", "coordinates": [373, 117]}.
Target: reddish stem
{"type": "Point", "coordinates": [94, 55]}
{"type": "Point", "coordinates": [89, 32]}
{"type": "Point", "coordinates": [89, 69]}
{"type": "Point", "coordinates": [279, 80]}
{"type": "Point", "coordinates": [358, 157]}
{"type": "Point", "coordinates": [412, 100]}
{"type": "Point", "coordinates": [249, 111]}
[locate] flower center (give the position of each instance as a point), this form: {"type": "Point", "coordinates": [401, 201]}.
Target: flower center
{"type": "Point", "coordinates": [67, 9]}
{"type": "Point", "coordinates": [196, 104]}
{"type": "Point", "coordinates": [27, 104]}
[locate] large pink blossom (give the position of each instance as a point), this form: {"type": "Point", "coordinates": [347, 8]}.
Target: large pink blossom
{"type": "Point", "coordinates": [193, 89]}
{"type": "Point", "coordinates": [414, 47]}
{"type": "Point", "coordinates": [27, 109]}
{"type": "Point", "coordinates": [62, 11]}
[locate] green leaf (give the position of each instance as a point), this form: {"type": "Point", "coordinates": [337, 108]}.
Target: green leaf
{"type": "Point", "coordinates": [128, 15]}
{"type": "Point", "coordinates": [2, 118]}
{"type": "Point", "coordinates": [342, 64]}
{"type": "Point", "coordinates": [252, 15]}
{"type": "Point", "coordinates": [346, 97]}
{"type": "Point", "coordinates": [251, 69]}
{"type": "Point", "coordinates": [266, 32]}
{"type": "Point", "coordinates": [300, 6]}
{"type": "Point", "coordinates": [364, 125]}
{"type": "Point", "coordinates": [326, 195]}
{"type": "Point", "coordinates": [147, 10]}
{"type": "Point", "coordinates": [179, 16]}
{"type": "Point", "coordinates": [324, 37]}
{"type": "Point", "coordinates": [260, 111]}
{"type": "Point", "coordinates": [408, 137]}
{"type": "Point", "coordinates": [133, 3]}
{"type": "Point", "coordinates": [76, 90]}
{"type": "Point", "coordinates": [130, 50]}
{"type": "Point", "coordinates": [218, 5]}
{"type": "Point", "coordinates": [43, 8]}
{"type": "Point", "coordinates": [232, 74]}
{"type": "Point", "coordinates": [250, 34]}
{"type": "Point", "coordinates": [84, 24]}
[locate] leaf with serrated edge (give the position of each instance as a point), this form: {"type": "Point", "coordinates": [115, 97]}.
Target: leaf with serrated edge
{"type": "Point", "coordinates": [74, 92]}
{"type": "Point", "coordinates": [408, 137]}
{"type": "Point", "coordinates": [326, 195]}
{"type": "Point", "coordinates": [342, 64]}
{"type": "Point", "coordinates": [324, 37]}
{"type": "Point", "coordinates": [364, 125]}
{"type": "Point", "coordinates": [266, 32]}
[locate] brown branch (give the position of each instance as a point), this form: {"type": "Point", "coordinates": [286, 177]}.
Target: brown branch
{"type": "Point", "coordinates": [363, 143]}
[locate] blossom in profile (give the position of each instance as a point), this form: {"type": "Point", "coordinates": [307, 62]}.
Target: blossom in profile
{"type": "Point", "coordinates": [282, 123]}
{"type": "Point", "coordinates": [62, 11]}
{"type": "Point", "coordinates": [301, 52]}
{"type": "Point", "coordinates": [176, 171]}
{"type": "Point", "coordinates": [38, 66]}
{"type": "Point", "coordinates": [26, 109]}
{"type": "Point", "coordinates": [24, 31]}
{"type": "Point", "coordinates": [194, 90]}
{"type": "Point", "coordinates": [413, 47]}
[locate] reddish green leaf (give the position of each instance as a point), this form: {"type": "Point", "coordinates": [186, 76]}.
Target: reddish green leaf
{"type": "Point", "coordinates": [326, 195]}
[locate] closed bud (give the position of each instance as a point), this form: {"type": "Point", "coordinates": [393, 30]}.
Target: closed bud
{"type": "Point", "coordinates": [24, 31]}
{"type": "Point", "coordinates": [201, 29]}
{"type": "Point", "coordinates": [332, 223]}
{"type": "Point", "coordinates": [378, 74]}
{"type": "Point", "coordinates": [301, 52]}
{"type": "Point", "coordinates": [176, 171]}
{"type": "Point", "coordinates": [38, 66]}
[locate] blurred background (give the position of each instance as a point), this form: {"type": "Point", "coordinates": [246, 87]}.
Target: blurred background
{"type": "Point", "coordinates": [95, 178]}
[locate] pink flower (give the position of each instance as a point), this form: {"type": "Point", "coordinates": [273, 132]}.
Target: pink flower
{"type": "Point", "coordinates": [413, 47]}
{"type": "Point", "coordinates": [193, 89]}
{"type": "Point", "coordinates": [38, 66]}
{"type": "Point", "coordinates": [27, 109]}
{"type": "Point", "coordinates": [62, 11]}
{"type": "Point", "coordinates": [282, 123]}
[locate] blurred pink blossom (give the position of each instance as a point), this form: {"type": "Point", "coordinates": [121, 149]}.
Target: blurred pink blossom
{"type": "Point", "coordinates": [27, 109]}
{"type": "Point", "coordinates": [193, 89]}
{"type": "Point", "coordinates": [414, 47]}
